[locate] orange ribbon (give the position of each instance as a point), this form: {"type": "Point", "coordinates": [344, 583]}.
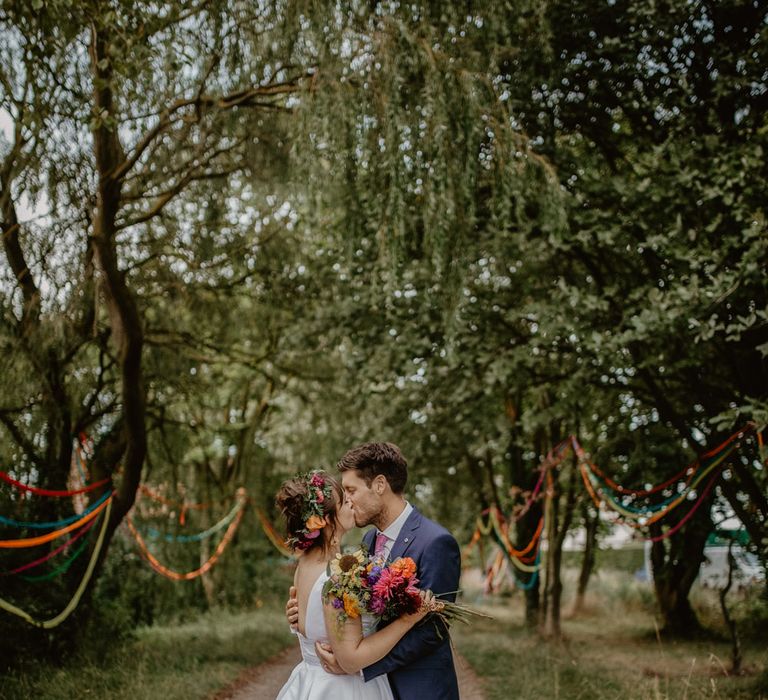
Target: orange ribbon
{"type": "Point", "coordinates": [175, 575]}
{"type": "Point", "coordinates": [42, 539]}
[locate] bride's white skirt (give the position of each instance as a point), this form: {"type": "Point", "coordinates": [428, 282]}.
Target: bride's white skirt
{"type": "Point", "coordinates": [310, 682]}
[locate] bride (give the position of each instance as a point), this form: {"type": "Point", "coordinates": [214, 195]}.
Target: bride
{"type": "Point", "coordinates": [317, 516]}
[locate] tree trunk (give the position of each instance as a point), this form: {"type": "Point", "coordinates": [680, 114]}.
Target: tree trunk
{"type": "Point", "coordinates": [522, 475]}
{"type": "Point", "coordinates": [729, 621]}
{"type": "Point", "coordinates": [676, 563]}
{"type": "Point", "coordinates": [125, 322]}
{"type": "Point", "coordinates": [554, 578]}
{"type": "Point", "coordinates": [126, 443]}
{"type": "Point", "coordinates": [591, 523]}
{"type": "Point", "coordinates": [753, 514]}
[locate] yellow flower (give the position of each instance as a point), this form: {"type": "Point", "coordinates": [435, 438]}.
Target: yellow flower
{"type": "Point", "coordinates": [315, 522]}
{"type": "Point", "coordinates": [350, 606]}
{"type": "Point", "coordinates": [345, 563]}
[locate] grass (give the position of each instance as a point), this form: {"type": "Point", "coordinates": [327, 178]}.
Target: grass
{"type": "Point", "coordinates": [611, 652]}
{"type": "Point", "coordinates": [189, 660]}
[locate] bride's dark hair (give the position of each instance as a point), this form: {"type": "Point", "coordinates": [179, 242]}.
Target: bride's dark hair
{"type": "Point", "coordinates": [298, 500]}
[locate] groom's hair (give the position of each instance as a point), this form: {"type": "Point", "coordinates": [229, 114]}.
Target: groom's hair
{"type": "Point", "coordinates": [374, 458]}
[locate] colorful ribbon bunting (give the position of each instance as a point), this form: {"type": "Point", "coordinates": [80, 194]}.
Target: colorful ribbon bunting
{"type": "Point", "coordinates": [42, 539]}
{"type": "Point", "coordinates": [58, 523]}
{"type": "Point", "coordinates": [52, 554]}
{"type": "Point", "coordinates": [154, 534]}
{"type": "Point", "coordinates": [272, 535]}
{"type": "Point", "coordinates": [48, 492]}
{"type": "Point", "coordinates": [75, 600]}
{"type": "Point", "coordinates": [188, 576]}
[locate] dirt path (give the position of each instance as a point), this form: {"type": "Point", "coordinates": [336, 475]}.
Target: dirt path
{"type": "Point", "coordinates": [264, 682]}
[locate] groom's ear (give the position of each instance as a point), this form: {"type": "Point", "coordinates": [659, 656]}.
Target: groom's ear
{"type": "Point", "coordinates": [379, 485]}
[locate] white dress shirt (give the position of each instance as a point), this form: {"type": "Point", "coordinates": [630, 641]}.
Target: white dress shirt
{"type": "Point", "coordinates": [393, 531]}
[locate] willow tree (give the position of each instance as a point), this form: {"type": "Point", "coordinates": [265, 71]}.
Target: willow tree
{"type": "Point", "coordinates": [127, 129]}
{"type": "Point", "coordinates": [448, 212]}
{"type": "Point", "coordinates": [145, 149]}
{"type": "Point", "coordinates": [643, 264]}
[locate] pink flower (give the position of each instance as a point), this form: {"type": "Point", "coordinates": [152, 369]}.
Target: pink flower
{"type": "Point", "coordinates": [377, 606]}
{"type": "Point", "coordinates": [319, 494]}
{"type": "Point", "coordinates": [388, 584]}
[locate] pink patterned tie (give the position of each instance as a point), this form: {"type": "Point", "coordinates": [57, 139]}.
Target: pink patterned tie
{"type": "Point", "coordinates": [381, 540]}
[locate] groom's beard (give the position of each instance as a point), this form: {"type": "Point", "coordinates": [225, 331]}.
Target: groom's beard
{"type": "Point", "coordinates": [366, 519]}
{"type": "Point", "coordinates": [361, 520]}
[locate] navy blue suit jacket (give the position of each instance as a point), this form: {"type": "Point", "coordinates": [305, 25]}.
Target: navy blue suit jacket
{"type": "Point", "coordinates": [420, 665]}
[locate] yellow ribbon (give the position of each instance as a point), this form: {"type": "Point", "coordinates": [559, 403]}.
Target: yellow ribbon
{"type": "Point", "coordinates": [73, 603]}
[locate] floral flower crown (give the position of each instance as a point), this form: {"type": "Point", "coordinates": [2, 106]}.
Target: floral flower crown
{"type": "Point", "coordinates": [319, 490]}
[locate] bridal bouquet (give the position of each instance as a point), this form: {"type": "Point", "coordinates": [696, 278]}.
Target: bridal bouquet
{"type": "Point", "coordinates": [361, 583]}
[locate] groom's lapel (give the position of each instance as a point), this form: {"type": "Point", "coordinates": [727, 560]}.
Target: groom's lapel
{"type": "Point", "coordinates": [407, 535]}
{"type": "Point", "coordinates": [368, 539]}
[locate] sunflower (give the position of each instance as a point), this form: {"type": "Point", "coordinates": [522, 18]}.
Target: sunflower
{"type": "Point", "coordinates": [346, 563]}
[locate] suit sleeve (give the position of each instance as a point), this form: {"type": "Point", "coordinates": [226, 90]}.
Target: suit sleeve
{"type": "Point", "coordinates": [439, 571]}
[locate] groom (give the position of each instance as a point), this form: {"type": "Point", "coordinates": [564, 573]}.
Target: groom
{"type": "Point", "coordinates": [420, 666]}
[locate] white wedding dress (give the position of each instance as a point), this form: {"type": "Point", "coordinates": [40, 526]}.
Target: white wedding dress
{"type": "Point", "coordinates": [309, 681]}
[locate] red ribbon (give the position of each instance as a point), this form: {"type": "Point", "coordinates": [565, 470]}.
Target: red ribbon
{"type": "Point", "coordinates": [52, 554]}
{"type": "Point", "coordinates": [47, 492]}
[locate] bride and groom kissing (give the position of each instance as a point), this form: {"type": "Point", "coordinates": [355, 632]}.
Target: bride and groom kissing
{"type": "Point", "coordinates": [405, 659]}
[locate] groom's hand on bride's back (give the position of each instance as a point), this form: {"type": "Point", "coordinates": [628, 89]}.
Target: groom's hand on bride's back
{"type": "Point", "coordinates": [292, 609]}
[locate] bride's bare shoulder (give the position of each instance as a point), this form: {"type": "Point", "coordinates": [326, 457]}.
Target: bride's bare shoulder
{"type": "Point", "coordinates": [307, 571]}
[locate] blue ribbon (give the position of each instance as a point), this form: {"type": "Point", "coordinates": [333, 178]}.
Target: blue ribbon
{"type": "Point", "coordinates": [58, 523]}
{"type": "Point", "coordinates": [534, 577]}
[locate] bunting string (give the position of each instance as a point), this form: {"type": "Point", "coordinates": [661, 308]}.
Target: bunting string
{"type": "Point", "coordinates": [58, 523]}
{"type": "Point", "coordinates": [154, 534]}
{"type": "Point", "coordinates": [75, 600]}
{"type": "Point", "coordinates": [181, 506]}
{"type": "Point", "coordinates": [497, 571]}
{"type": "Point", "coordinates": [52, 554]}
{"type": "Point", "coordinates": [42, 539]}
{"type": "Point", "coordinates": [607, 493]}
{"type": "Point", "coordinates": [689, 514]}
{"type": "Point", "coordinates": [690, 470]}
{"type": "Point", "coordinates": [188, 576]}
{"type": "Point", "coordinates": [48, 492]}
{"type": "Point", "coordinates": [272, 534]}
{"type": "Point", "coordinates": [629, 514]}
{"type": "Point", "coordinates": [531, 582]}
{"type": "Point", "coordinates": [62, 568]}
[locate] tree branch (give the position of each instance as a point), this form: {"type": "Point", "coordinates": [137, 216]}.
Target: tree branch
{"type": "Point", "coordinates": [21, 441]}
{"type": "Point", "coordinates": [125, 321]}
{"type": "Point", "coordinates": [242, 98]}
{"type": "Point", "coordinates": [169, 194]}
